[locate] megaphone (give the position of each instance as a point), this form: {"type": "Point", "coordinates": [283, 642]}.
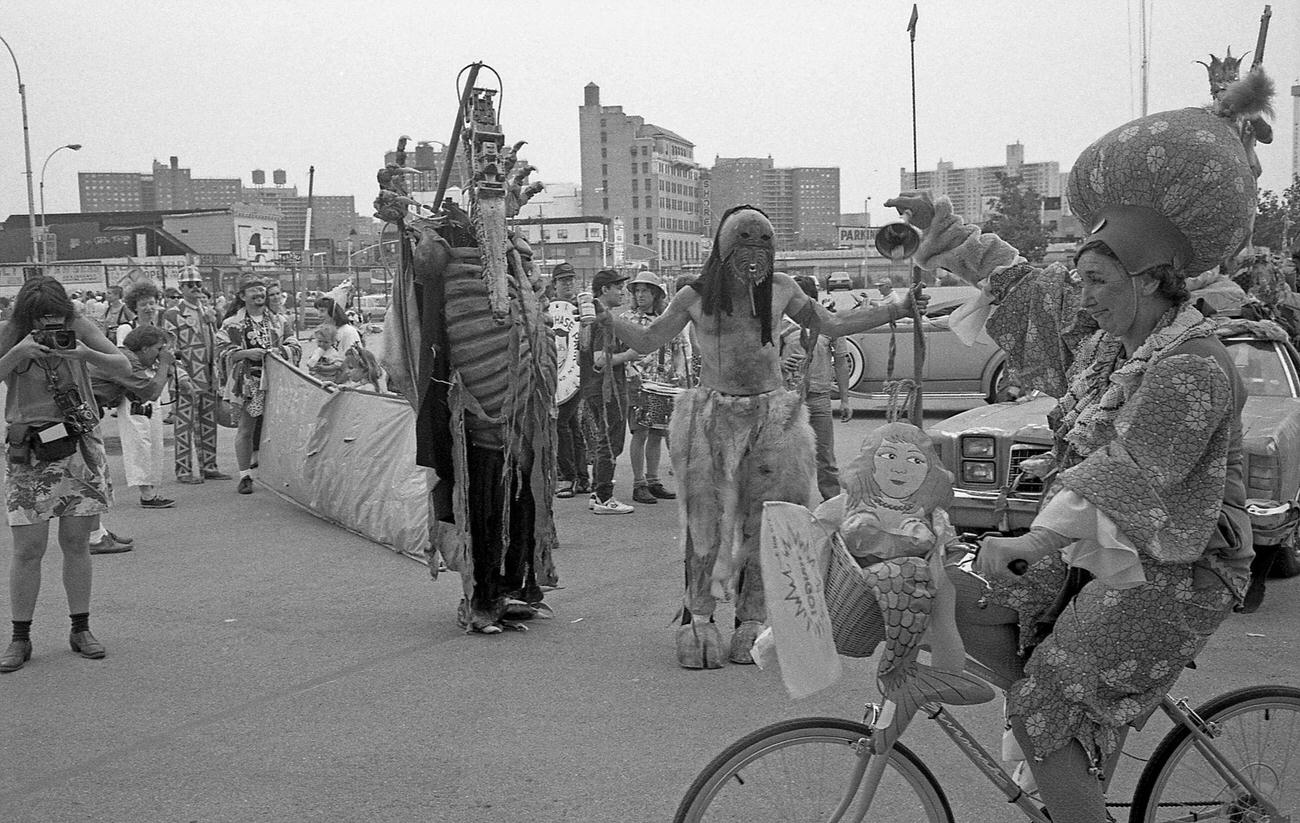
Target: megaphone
{"type": "Point", "coordinates": [898, 241]}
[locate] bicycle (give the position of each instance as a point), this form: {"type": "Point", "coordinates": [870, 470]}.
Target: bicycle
{"type": "Point", "coordinates": [1211, 766]}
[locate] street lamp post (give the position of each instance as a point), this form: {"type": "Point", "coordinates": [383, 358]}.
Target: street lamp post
{"type": "Point", "coordinates": [27, 153]}
{"type": "Point", "coordinates": [74, 147]}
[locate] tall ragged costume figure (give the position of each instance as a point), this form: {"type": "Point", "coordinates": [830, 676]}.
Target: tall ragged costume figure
{"type": "Point", "coordinates": [740, 438]}
{"type": "Point", "coordinates": [467, 343]}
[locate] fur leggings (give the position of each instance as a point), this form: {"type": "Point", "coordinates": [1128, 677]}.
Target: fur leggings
{"type": "Point", "coordinates": [730, 455]}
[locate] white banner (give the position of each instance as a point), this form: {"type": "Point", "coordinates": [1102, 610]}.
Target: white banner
{"type": "Point", "coordinates": [791, 546]}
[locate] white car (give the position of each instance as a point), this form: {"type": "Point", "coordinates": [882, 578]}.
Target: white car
{"type": "Point", "coordinates": [839, 280]}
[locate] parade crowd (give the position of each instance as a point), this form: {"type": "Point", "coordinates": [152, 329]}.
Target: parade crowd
{"type": "Point", "coordinates": [152, 358]}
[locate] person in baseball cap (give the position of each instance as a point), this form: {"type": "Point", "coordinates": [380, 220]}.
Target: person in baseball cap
{"type": "Point", "coordinates": [602, 362]}
{"type": "Point", "coordinates": [605, 278]}
{"type": "Point", "coordinates": [563, 270]}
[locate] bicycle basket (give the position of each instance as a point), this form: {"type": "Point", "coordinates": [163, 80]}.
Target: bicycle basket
{"type": "Point", "coordinates": [857, 626]}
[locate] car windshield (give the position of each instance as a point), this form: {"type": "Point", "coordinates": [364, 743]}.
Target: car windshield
{"type": "Point", "coordinates": [1262, 369]}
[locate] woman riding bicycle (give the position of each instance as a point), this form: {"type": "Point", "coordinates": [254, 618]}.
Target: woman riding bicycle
{"type": "Point", "coordinates": [1147, 445]}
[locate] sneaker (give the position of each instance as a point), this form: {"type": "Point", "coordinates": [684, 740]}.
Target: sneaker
{"type": "Point", "coordinates": [188, 480]}
{"type": "Point", "coordinates": [125, 541]}
{"type": "Point", "coordinates": [245, 485]}
{"type": "Point", "coordinates": [658, 490]}
{"type": "Point", "coordinates": [107, 545]}
{"type": "Point", "coordinates": [581, 486]}
{"type": "Point", "coordinates": [157, 503]}
{"type": "Point", "coordinates": [612, 506]}
{"type": "Point", "coordinates": [564, 489]}
{"type": "Point", "coordinates": [592, 502]}
{"type": "Point", "coordinates": [641, 494]}
{"type": "Point", "coordinates": [214, 474]}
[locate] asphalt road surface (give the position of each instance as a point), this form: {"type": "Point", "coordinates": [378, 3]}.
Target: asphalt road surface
{"type": "Point", "coordinates": [266, 666]}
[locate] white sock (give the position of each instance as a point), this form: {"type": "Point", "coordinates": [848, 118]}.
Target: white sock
{"type": "Point", "coordinates": [245, 473]}
{"type": "Point", "coordinates": [98, 534]}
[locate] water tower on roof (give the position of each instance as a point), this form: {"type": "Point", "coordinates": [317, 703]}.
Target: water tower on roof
{"type": "Point", "coordinates": [278, 177]}
{"type": "Point", "coordinates": [259, 178]}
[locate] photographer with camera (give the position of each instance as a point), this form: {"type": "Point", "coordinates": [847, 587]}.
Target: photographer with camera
{"type": "Point", "coordinates": [55, 456]}
{"type": "Point", "coordinates": [139, 417]}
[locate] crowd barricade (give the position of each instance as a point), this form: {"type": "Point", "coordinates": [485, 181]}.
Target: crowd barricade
{"type": "Point", "coordinates": [347, 456]}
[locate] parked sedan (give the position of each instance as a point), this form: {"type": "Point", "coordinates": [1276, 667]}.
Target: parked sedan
{"type": "Point", "coordinates": [839, 280]}
{"type": "Point", "coordinates": [952, 369]}
{"type": "Point", "coordinates": [987, 448]}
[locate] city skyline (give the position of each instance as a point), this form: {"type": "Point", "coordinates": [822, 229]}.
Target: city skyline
{"type": "Point", "coordinates": [295, 84]}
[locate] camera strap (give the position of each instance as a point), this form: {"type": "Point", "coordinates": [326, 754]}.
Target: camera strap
{"type": "Point", "coordinates": [52, 381]}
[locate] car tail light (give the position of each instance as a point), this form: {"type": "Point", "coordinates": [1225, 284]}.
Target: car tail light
{"type": "Point", "coordinates": [979, 446]}
{"type": "Point", "coordinates": [1261, 476]}
{"type": "Point", "coordinates": [978, 471]}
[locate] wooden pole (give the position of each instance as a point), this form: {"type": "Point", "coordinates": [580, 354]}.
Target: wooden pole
{"type": "Point", "coordinates": [918, 334]}
{"type": "Point", "coordinates": [454, 145]}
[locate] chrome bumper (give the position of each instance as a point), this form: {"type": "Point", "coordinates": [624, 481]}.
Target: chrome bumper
{"type": "Point", "coordinates": [976, 511]}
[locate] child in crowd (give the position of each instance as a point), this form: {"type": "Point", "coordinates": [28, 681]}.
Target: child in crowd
{"type": "Point", "coordinates": [361, 370]}
{"type": "Point", "coordinates": [326, 362]}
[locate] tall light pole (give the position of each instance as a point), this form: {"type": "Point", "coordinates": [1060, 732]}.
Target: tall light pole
{"type": "Point", "coordinates": [74, 147]}
{"type": "Point", "coordinates": [27, 154]}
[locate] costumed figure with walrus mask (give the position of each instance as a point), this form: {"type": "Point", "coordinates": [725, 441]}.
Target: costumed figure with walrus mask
{"type": "Point", "coordinates": [740, 438]}
{"type": "Point", "coordinates": [468, 344]}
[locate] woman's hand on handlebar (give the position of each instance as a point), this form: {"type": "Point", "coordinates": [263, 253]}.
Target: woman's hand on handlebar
{"type": "Point", "coordinates": [1004, 557]}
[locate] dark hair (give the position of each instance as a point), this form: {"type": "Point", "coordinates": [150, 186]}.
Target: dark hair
{"type": "Point", "coordinates": [333, 311]}
{"type": "Point", "coordinates": [39, 297]}
{"type": "Point", "coordinates": [141, 290]}
{"type": "Point", "coordinates": [1170, 283]}
{"type": "Point", "coordinates": [117, 289]}
{"type": "Point", "coordinates": [142, 337]}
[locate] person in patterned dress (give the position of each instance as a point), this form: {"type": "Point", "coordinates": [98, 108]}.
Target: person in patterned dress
{"type": "Point", "coordinates": [246, 336]}
{"type": "Point", "coordinates": [194, 337]}
{"type": "Point", "coordinates": [1147, 495]}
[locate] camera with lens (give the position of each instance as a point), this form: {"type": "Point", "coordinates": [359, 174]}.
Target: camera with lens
{"type": "Point", "coordinates": [142, 409]}
{"type": "Point", "coordinates": [78, 416]}
{"type": "Point", "coordinates": [56, 338]}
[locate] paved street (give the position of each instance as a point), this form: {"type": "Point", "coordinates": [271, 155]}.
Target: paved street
{"type": "Point", "coordinates": [266, 666]}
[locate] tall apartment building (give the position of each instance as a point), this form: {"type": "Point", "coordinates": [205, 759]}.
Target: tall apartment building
{"type": "Point", "coordinates": [974, 190]}
{"type": "Point", "coordinates": [332, 216]}
{"type": "Point", "coordinates": [168, 187]}
{"type": "Point", "coordinates": [428, 158]}
{"type": "Point", "coordinates": [644, 174]}
{"type": "Point", "coordinates": [803, 202]}
{"type": "Point", "coordinates": [737, 180]}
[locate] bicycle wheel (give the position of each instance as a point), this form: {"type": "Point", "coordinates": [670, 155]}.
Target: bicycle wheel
{"type": "Point", "coordinates": [798, 770]}
{"type": "Point", "coordinates": [1257, 730]}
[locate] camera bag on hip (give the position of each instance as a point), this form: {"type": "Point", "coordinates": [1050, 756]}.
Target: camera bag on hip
{"type": "Point", "coordinates": [26, 445]}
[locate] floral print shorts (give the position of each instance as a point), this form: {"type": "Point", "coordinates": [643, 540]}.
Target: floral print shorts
{"type": "Point", "coordinates": [1113, 654]}
{"type": "Point", "coordinates": [76, 486]}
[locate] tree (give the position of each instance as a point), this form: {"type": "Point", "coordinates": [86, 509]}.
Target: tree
{"type": "Point", "coordinates": [1277, 223]}
{"type": "Point", "coordinates": [1017, 218]}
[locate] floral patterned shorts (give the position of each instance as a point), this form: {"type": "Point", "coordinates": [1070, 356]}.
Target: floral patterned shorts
{"type": "Point", "coordinates": [76, 486]}
{"type": "Point", "coordinates": [1113, 653]}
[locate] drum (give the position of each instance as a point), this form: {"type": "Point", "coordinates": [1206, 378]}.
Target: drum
{"type": "Point", "coordinates": [564, 321]}
{"type": "Point", "coordinates": [655, 404]}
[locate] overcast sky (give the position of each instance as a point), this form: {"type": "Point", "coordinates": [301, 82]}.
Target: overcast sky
{"type": "Point", "coordinates": [235, 86]}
